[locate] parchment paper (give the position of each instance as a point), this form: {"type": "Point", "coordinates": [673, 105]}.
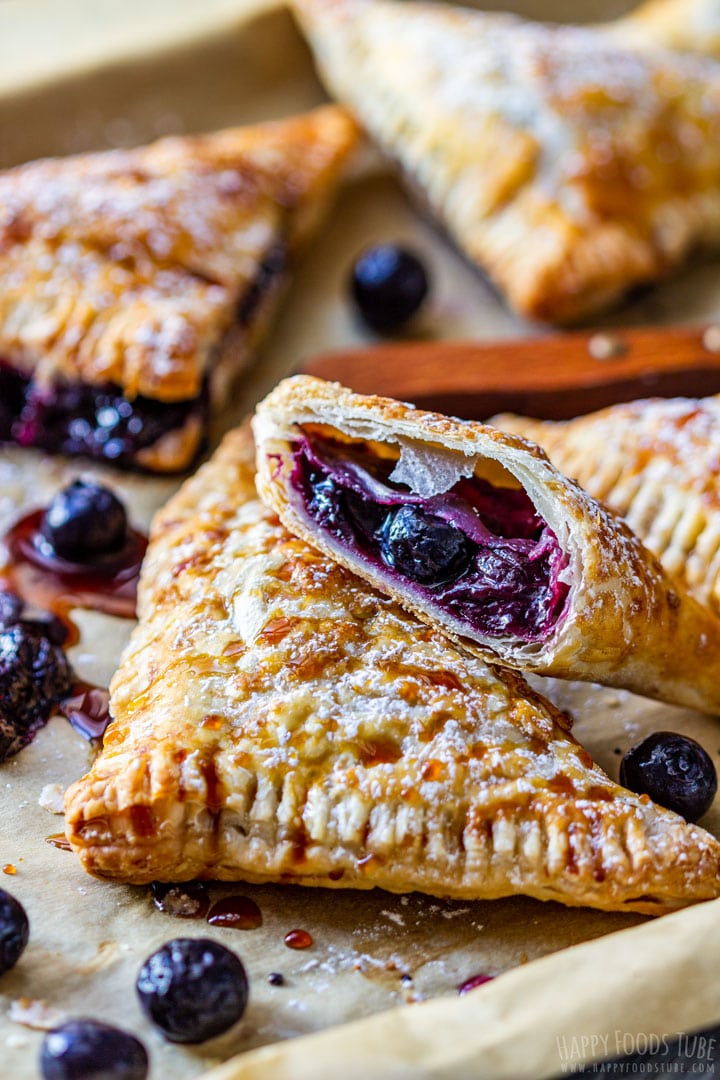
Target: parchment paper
{"type": "Point", "coordinates": [227, 65]}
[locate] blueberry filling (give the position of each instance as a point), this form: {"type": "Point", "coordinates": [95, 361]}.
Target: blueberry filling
{"type": "Point", "coordinates": [480, 553]}
{"type": "Point", "coordinates": [96, 421]}
{"type": "Point", "coordinates": [269, 271]}
{"type": "Point", "coordinates": [12, 398]}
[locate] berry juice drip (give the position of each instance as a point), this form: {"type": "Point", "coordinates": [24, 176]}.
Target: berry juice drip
{"type": "Point", "coordinates": [87, 710]}
{"type": "Point", "coordinates": [236, 913]}
{"type": "Point", "coordinates": [298, 939]}
{"type": "Point", "coordinates": [78, 552]}
{"type": "Point", "coordinates": [56, 584]}
{"type": "Point", "coordinates": [473, 982]}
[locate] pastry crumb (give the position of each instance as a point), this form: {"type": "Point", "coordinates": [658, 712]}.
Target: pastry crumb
{"type": "Point", "coordinates": [51, 798]}
{"type": "Point", "coordinates": [394, 917]}
{"type": "Point", "coordinates": [34, 1013]}
{"type": "Point", "coordinates": [453, 914]}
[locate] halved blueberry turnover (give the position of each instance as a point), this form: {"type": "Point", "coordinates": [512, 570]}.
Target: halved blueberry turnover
{"type": "Point", "coordinates": [478, 534]}
{"type": "Point", "coordinates": [134, 284]}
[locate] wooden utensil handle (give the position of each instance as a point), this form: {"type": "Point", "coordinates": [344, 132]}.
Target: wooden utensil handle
{"type": "Point", "coordinates": [553, 377]}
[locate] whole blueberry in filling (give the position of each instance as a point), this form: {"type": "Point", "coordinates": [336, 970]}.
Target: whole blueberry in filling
{"type": "Point", "coordinates": [324, 503]}
{"type": "Point", "coordinates": [34, 677]}
{"type": "Point", "coordinates": [12, 398]}
{"type": "Point", "coordinates": [84, 520]}
{"type": "Point", "coordinates": [423, 547]}
{"type": "Point", "coordinates": [14, 931]}
{"type": "Point", "coordinates": [674, 771]}
{"type": "Point", "coordinates": [89, 1050]}
{"type": "Point", "coordinates": [193, 989]}
{"type": "Point", "coordinates": [480, 553]}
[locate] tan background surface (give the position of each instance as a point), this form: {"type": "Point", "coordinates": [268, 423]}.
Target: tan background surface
{"type": "Point", "coordinates": [88, 939]}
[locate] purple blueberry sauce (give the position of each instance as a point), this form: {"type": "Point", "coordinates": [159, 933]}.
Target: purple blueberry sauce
{"type": "Point", "coordinates": [478, 552]}
{"type": "Point", "coordinates": [95, 421]}
{"type": "Point", "coordinates": [473, 982]}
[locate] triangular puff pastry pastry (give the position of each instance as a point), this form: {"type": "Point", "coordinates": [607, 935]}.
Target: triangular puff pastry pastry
{"type": "Point", "coordinates": [278, 720]}
{"type": "Point", "coordinates": [656, 463]}
{"type": "Point", "coordinates": [567, 168]}
{"type": "Point", "coordinates": [477, 533]}
{"type": "Point", "coordinates": [134, 283]}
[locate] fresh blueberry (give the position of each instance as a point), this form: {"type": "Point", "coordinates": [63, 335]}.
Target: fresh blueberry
{"type": "Point", "coordinates": [84, 520]}
{"type": "Point", "coordinates": [14, 931]}
{"type": "Point", "coordinates": [424, 548]}
{"type": "Point", "coordinates": [674, 771]}
{"type": "Point", "coordinates": [193, 989]}
{"type": "Point", "coordinates": [89, 1050]}
{"type": "Point", "coordinates": [388, 285]}
{"type": "Point", "coordinates": [34, 676]}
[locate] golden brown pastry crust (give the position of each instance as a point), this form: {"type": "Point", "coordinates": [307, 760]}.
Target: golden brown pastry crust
{"type": "Point", "coordinates": [626, 623]}
{"type": "Point", "coordinates": [688, 25]}
{"type": "Point", "coordinates": [655, 462]}
{"type": "Point", "coordinates": [609, 167]}
{"type": "Point", "coordinates": [132, 267]}
{"type": "Point", "coordinates": [278, 720]}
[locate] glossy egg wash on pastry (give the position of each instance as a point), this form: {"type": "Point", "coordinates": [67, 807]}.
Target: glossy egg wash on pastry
{"type": "Point", "coordinates": [480, 550]}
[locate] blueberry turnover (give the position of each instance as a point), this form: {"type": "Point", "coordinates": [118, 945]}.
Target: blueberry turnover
{"type": "Point", "coordinates": [477, 533]}
{"type": "Point", "coordinates": [654, 462]}
{"type": "Point", "coordinates": [135, 283]}
{"type": "Point", "coordinates": [567, 167]}
{"type": "Point", "coordinates": [277, 719]}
